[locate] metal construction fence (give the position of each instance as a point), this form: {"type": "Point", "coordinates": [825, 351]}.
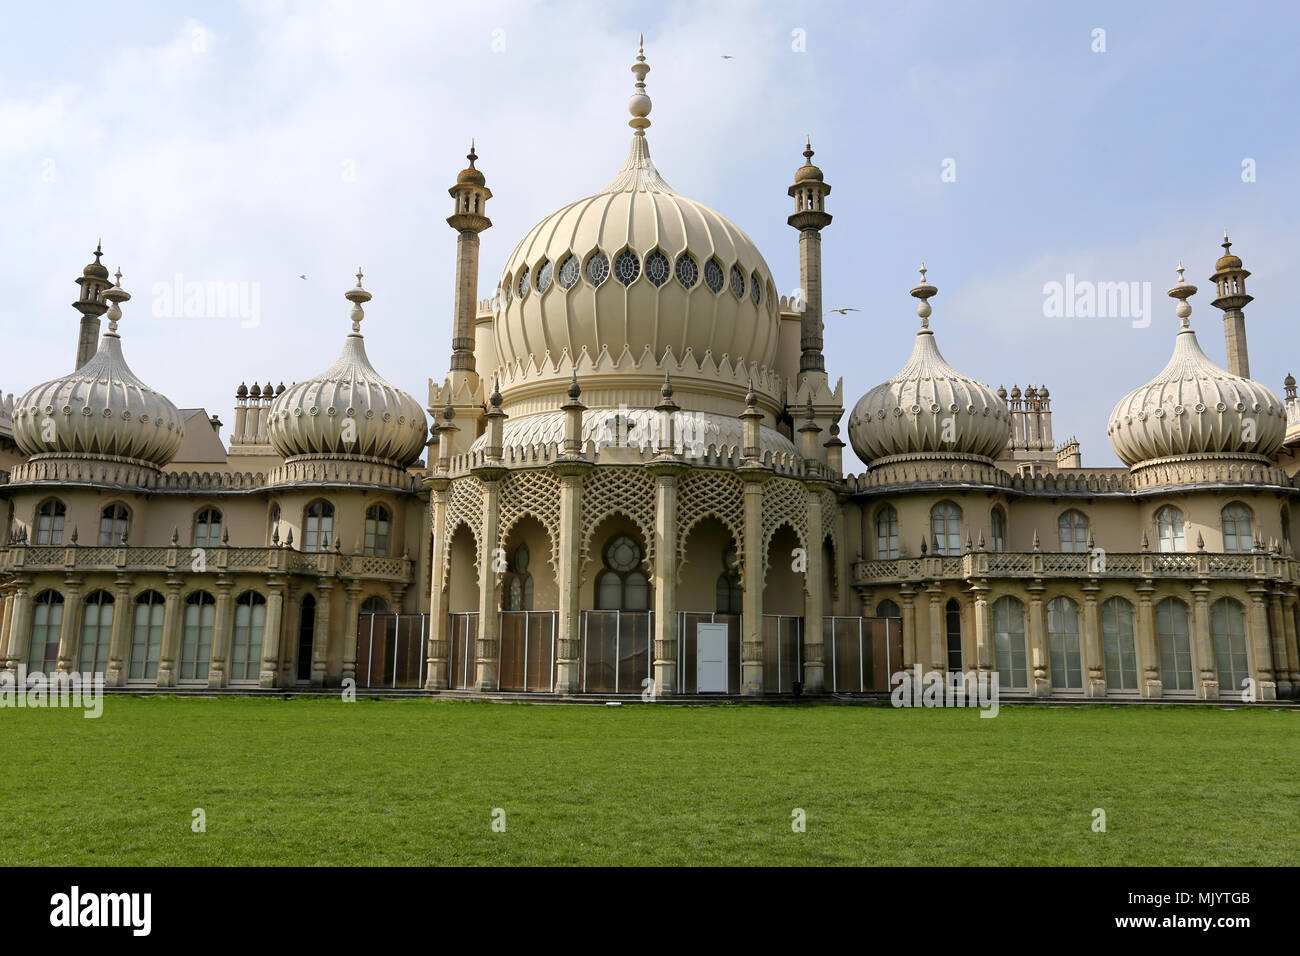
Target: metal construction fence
{"type": "Point", "coordinates": [390, 650]}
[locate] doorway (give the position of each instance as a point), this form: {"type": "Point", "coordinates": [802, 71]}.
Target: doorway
{"type": "Point", "coordinates": [711, 658]}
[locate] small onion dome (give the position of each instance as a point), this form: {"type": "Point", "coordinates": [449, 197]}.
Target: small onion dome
{"type": "Point", "coordinates": [1228, 260]}
{"type": "Point", "coordinates": [471, 175]}
{"type": "Point", "coordinates": [1289, 381]}
{"type": "Point", "coordinates": [255, 391]}
{"type": "Point", "coordinates": [348, 410]}
{"type": "Point", "coordinates": [242, 391]}
{"type": "Point", "coordinates": [1194, 407]}
{"type": "Point", "coordinates": [1002, 393]}
{"type": "Point", "coordinates": [96, 269]}
{"type": "Point", "coordinates": [929, 407]}
{"type": "Point", "coordinates": [1015, 391]}
{"type": "Point", "coordinates": [808, 172]}
{"type": "Point", "coordinates": [101, 409]}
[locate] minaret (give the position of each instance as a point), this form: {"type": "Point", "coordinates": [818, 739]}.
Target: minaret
{"type": "Point", "coordinates": [1230, 282]}
{"type": "Point", "coordinates": [810, 218]}
{"type": "Point", "coordinates": [468, 218]}
{"type": "Point", "coordinates": [93, 281]}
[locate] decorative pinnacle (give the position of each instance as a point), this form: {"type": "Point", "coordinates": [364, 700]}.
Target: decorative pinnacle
{"type": "Point", "coordinates": [923, 291]}
{"type": "Point", "coordinates": [574, 388]}
{"type": "Point", "coordinates": [115, 296]}
{"type": "Point", "coordinates": [666, 392]}
{"type": "Point", "coordinates": [1227, 243]}
{"type": "Point", "coordinates": [99, 251]}
{"type": "Point", "coordinates": [751, 397]}
{"type": "Point", "coordinates": [1181, 291]}
{"type": "Point", "coordinates": [471, 155]}
{"type": "Point", "coordinates": [807, 149]}
{"type": "Point", "coordinates": [357, 296]}
{"type": "Point", "coordinates": [495, 397]}
{"type": "Point", "coordinates": [639, 104]}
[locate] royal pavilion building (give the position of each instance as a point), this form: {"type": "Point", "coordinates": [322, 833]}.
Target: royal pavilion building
{"type": "Point", "coordinates": [631, 478]}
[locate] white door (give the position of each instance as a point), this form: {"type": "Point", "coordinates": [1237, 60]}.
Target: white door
{"type": "Point", "coordinates": [711, 658]}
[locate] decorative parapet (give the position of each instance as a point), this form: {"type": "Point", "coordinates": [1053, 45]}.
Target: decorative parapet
{"type": "Point", "coordinates": [727, 458]}
{"type": "Point", "coordinates": [128, 473]}
{"type": "Point", "coordinates": [344, 471]}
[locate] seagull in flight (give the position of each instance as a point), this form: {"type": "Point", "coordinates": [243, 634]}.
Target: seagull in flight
{"type": "Point", "coordinates": [302, 277]}
{"type": "Point", "coordinates": [843, 311]}
{"type": "Point", "coordinates": [725, 57]}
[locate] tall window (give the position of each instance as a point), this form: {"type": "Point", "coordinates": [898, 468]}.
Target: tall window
{"type": "Point", "coordinates": [377, 522]}
{"type": "Point", "coordinates": [113, 525]}
{"type": "Point", "coordinates": [952, 618]}
{"type": "Point", "coordinates": [945, 528]}
{"type": "Point", "coordinates": [622, 586]}
{"type": "Point", "coordinates": [1063, 642]}
{"type": "Point", "coordinates": [887, 533]}
{"type": "Point", "coordinates": [1073, 527]}
{"type": "Point", "coordinates": [1009, 643]}
{"type": "Point", "coordinates": [246, 647]}
{"type": "Point", "coordinates": [517, 592]}
{"type": "Point", "coordinates": [196, 639]}
{"type": "Point", "coordinates": [49, 522]}
{"type": "Point", "coordinates": [146, 636]}
{"type": "Point", "coordinates": [47, 621]}
{"type": "Point", "coordinates": [207, 528]}
{"type": "Point", "coordinates": [1228, 629]}
{"type": "Point", "coordinates": [1237, 534]}
{"type": "Point", "coordinates": [1117, 644]}
{"type": "Point", "coordinates": [273, 526]}
{"type": "Point", "coordinates": [96, 632]}
{"type": "Point", "coordinates": [888, 608]}
{"type": "Point", "coordinates": [318, 528]}
{"type": "Point", "coordinates": [728, 593]}
{"type": "Point", "coordinates": [1175, 645]}
{"type": "Point", "coordinates": [1169, 529]}
{"type": "Point", "coordinates": [998, 529]}
{"type": "Point", "coordinates": [306, 636]}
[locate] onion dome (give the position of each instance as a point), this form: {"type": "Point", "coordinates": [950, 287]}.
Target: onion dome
{"type": "Point", "coordinates": [808, 172]}
{"type": "Point", "coordinates": [1229, 260]}
{"type": "Point", "coordinates": [637, 265]}
{"type": "Point", "coordinates": [1194, 407]}
{"type": "Point", "coordinates": [96, 269]}
{"type": "Point", "coordinates": [471, 175]}
{"type": "Point", "coordinates": [101, 409]}
{"type": "Point", "coordinates": [255, 391]}
{"type": "Point", "coordinates": [349, 410]}
{"type": "Point", "coordinates": [929, 408]}
{"type": "Point", "coordinates": [242, 391]}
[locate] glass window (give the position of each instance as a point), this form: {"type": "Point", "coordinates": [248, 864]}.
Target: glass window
{"type": "Point", "coordinates": [737, 282]}
{"type": "Point", "coordinates": [196, 638]}
{"type": "Point", "coordinates": [112, 525]}
{"type": "Point", "coordinates": [622, 586]}
{"type": "Point", "coordinates": [952, 618]}
{"type": "Point", "coordinates": [657, 269]}
{"type": "Point", "coordinates": [273, 529]}
{"type": "Point", "coordinates": [96, 632]}
{"type": "Point", "coordinates": [246, 646]}
{"type": "Point", "coordinates": [597, 268]}
{"type": "Point", "coordinates": [888, 608]}
{"type": "Point", "coordinates": [1175, 645]}
{"type": "Point", "coordinates": [627, 267]}
{"type": "Point", "coordinates": [569, 272]}
{"type": "Point", "coordinates": [318, 528]}
{"type": "Point", "coordinates": [688, 272]}
{"type": "Point", "coordinates": [207, 528]}
{"type": "Point", "coordinates": [1073, 527]}
{"type": "Point", "coordinates": [146, 636]}
{"type": "Point", "coordinates": [522, 285]}
{"type": "Point", "coordinates": [1169, 529]}
{"type": "Point", "coordinates": [1237, 534]}
{"type": "Point", "coordinates": [945, 528]}
{"type": "Point", "coordinates": [47, 622]}
{"type": "Point", "coordinates": [1118, 645]}
{"type": "Point", "coordinates": [998, 529]}
{"type": "Point", "coordinates": [49, 522]}
{"type": "Point", "coordinates": [1228, 629]}
{"type": "Point", "coordinates": [713, 275]}
{"type": "Point", "coordinates": [377, 522]}
{"type": "Point", "coordinates": [887, 533]}
{"type": "Point", "coordinates": [517, 595]}
{"type": "Point", "coordinates": [544, 274]}
{"type": "Point", "coordinates": [1063, 644]}
{"type": "Point", "coordinates": [728, 591]}
{"type": "Point", "coordinates": [1009, 643]}
{"type": "Point", "coordinates": [755, 289]}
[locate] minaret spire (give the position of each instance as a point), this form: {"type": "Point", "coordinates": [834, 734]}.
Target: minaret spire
{"type": "Point", "coordinates": [469, 217]}
{"type": "Point", "coordinates": [1230, 283]}
{"type": "Point", "coordinates": [93, 282]}
{"type": "Point", "coordinates": [810, 218]}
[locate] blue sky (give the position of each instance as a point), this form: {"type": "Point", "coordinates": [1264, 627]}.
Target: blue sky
{"type": "Point", "coordinates": [254, 142]}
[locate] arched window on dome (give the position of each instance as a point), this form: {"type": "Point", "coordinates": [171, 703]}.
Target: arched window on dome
{"type": "Point", "coordinates": [1238, 536]}
{"type": "Point", "coordinates": [1072, 526]}
{"type": "Point", "coordinates": [318, 526]}
{"type": "Point", "coordinates": [517, 588]}
{"type": "Point", "coordinates": [627, 267]}
{"type": "Point", "coordinates": [657, 269]}
{"type": "Point", "coordinates": [687, 271]}
{"type": "Point", "coordinates": [1169, 530]}
{"type": "Point", "coordinates": [49, 521]}
{"type": "Point", "coordinates": [887, 533]}
{"type": "Point", "coordinates": [1175, 645]}
{"type": "Point", "coordinates": [737, 282]}
{"type": "Point", "coordinates": [729, 594]}
{"type": "Point", "coordinates": [569, 272]}
{"type": "Point", "coordinates": [997, 529]}
{"type": "Point", "coordinates": [196, 637]}
{"type": "Point", "coordinates": [114, 521]}
{"type": "Point", "coordinates": [43, 640]}
{"type": "Point", "coordinates": [96, 631]}
{"type": "Point", "coordinates": [378, 520]}
{"type": "Point", "coordinates": [1228, 629]}
{"type": "Point", "coordinates": [945, 528]}
{"type": "Point", "coordinates": [756, 289]}
{"type": "Point", "coordinates": [713, 276]}
{"type": "Point", "coordinates": [522, 285]}
{"type": "Point", "coordinates": [622, 585]}
{"type": "Point", "coordinates": [597, 270]}
{"type": "Point", "coordinates": [545, 271]}
{"type": "Point", "coordinates": [207, 528]}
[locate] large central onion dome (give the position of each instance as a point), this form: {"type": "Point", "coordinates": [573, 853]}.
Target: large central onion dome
{"type": "Point", "coordinates": [637, 265]}
{"type": "Point", "coordinates": [1195, 408]}
{"type": "Point", "coordinates": [349, 410]}
{"type": "Point", "coordinates": [929, 408]}
{"type": "Point", "coordinates": [102, 409]}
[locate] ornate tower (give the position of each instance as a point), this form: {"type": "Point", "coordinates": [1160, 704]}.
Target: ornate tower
{"type": "Point", "coordinates": [93, 281]}
{"type": "Point", "coordinates": [1230, 282]}
{"type": "Point", "coordinates": [468, 218]}
{"type": "Point", "coordinates": [810, 218]}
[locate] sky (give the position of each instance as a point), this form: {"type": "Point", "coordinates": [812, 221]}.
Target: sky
{"type": "Point", "coordinates": [1008, 145]}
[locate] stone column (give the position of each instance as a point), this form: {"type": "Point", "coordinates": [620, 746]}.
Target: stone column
{"type": "Point", "coordinates": [665, 583]}
{"type": "Point", "coordinates": [1040, 684]}
{"type": "Point", "coordinates": [70, 631]}
{"type": "Point", "coordinates": [120, 636]}
{"type": "Point", "coordinates": [171, 636]}
{"type": "Point", "coordinates": [907, 594]}
{"type": "Point", "coordinates": [489, 603]}
{"type": "Point", "coordinates": [350, 610]}
{"type": "Point", "coordinates": [814, 610]}
{"type": "Point", "coordinates": [1148, 651]}
{"type": "Point", "coordinates": [1208, 677]}
{"type": "Point", "coordinates": [20, 625]}
{"type": "Point", "coordinates": [5, 618]}
{"type": "Point", "coordinates": [435, 676]}
{"type": "Point", "coordinates": [1277, 631]}
{"type": "Point", "coordinates": [985, 654]}
{"type": "Point", "coordinates": [1292, 651]}
{"type": "Point", "coordinates": [320, 642]}
{"type": "Point", "coordinates": [568, 643]}
{"type": "Point", "coordinates": [223, 632]}
{"type": "Point", "coordinates": [1094, 661]}
{"type": "Point", "coordinates": [1257, 618]}
{"type": "Point", "coordinates": [291, 627]}
{"type": "Point", "coordinates": [751, 633]}
{"type": "Point", "coordinates": [938, 631]}
{"type": "Point", "coordinates": [270, 674]}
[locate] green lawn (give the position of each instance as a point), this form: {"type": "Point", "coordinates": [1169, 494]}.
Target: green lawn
{"type": "Point", "coordinates": [319, 781]}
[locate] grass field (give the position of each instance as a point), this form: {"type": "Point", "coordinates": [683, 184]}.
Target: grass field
{"type": "Point", "coordinates": [319, 781]}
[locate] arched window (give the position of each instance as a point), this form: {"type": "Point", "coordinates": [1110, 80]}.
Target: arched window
{"type": "Point", "coordinates": [1169, 529]}
{"type": "Point", "coordinates": [998, 529]}
{"type": "Point", "coordinates": [273, 526]}
{"type": "Point", "coordinates": [49, 521]}
{"type": "Point", "coordinates": [96, 632]}
{"type": "Point", "coordinates": [113, 521]}
{"type": "Point", "coordinates": [318, 526]}
{"type": "Point", "coordinates": [1063, 643]}
{"type": "Point", "coordinates": [945, 528]}
{"type": "Point", "coordinates": [887, 533]}
{"type": "Point", "coordinates": [307, 634]}
{"type": "Point", "coordinates": [622, 586]}
{"type": "Point", "coordinates": [47, 622]}
{"type": "Point", "coordinates": [517, 590]}
{"type": "Point", "coordinates": [146, 636]}
{"type": "Point", "coordinates": [1009, 643]}
{"type": "Point", "coordinates": [377, 523]}
{"type": "Point", "coordinates": [1237, 534]}
{"type": "Point", "coordinates": [1228, 629]}
{"type": "Point", "coordinates": [888, 608]}
{"type": "Point", "coordinates": [728, 591]}
{"type": "Point", "coordinates": [207, 528]}
{"type": "Point", "coordinates": [952, 618]}
{"type": "Point", "coordinates": [196, 638]}
{"type": "Point", "coordinates": [1117, 644]}
{"type": "Point", "coordinates": [1175, 645]}
{"type": "Point", "coordinates": [1073, 528]}
{"type": "Point", "coordinates": [246, 647]}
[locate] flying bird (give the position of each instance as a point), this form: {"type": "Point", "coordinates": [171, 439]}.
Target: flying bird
{"type": "Point", "coordinates": [302, 277]}
{"type": "Point", "coordinates": [843, 311]}
{"type": "Point", "coordinates": [725, 57]}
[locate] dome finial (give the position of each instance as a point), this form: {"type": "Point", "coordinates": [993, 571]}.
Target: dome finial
{"type": "Point", "coordinates": [471, 155]}
{"type": "Point", "coordinates": [639, 104]}
{"type": "Point", "coordinates": [357, 296]}
{"type": "Point", "coordinates": [924, 291]}
{"type": "Point", "coordinates": [1181, 291]}
{"type": "Point", "coordinates": [115, 296]}
{"type": "Point", "coordinates": [1227, 243]}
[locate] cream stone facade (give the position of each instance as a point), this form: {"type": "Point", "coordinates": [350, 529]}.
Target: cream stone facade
{"type": "Point", "coordinates": [632, 481]}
